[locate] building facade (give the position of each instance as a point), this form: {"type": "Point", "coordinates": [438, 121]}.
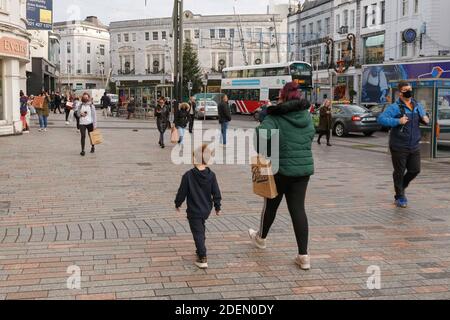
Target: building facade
{"type": "Point", "coordinates": [14, 56]}
{"type": "Point", "coordinates": [142, 52]}
{"type": "Point", "coordinates": [43, 69]}
{"type": "Point", "coordinates": [85, 54]}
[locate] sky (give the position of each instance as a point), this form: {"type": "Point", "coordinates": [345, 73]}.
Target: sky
{"type": "Point", "coordinates": [118, 10]}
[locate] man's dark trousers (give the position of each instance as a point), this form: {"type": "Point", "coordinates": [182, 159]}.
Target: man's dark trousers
{"type": "Point", "coordinates": [405, 162]}
{"type": "Point", "coordinates": [191, 122]}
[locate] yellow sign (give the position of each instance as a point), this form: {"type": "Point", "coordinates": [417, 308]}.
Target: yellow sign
{"type": "Point", "coordinates": [45, 16]}
{"type": "Point", "coordinates": [297, 81]}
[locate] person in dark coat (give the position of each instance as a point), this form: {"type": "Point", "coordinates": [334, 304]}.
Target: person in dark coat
{"type": "Point", "coordinates": [131, 108]}
{"type": "Point", "coordinates": [326, 122]}
{"type": "Point", "coordinates": [224, 118]}
{"type": "Point", "coordinates": [181, 120]}
{"type": "Point", "coordinates": [162, 114]}
{"type": "Point", "coordinates": [192, 111]}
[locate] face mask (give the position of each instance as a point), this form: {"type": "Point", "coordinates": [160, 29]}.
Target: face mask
{"type": "Point", "coordinates": [408, 94]}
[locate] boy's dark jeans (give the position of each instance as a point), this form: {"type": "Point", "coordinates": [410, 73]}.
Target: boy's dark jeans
{"type": "Point", "coordinates": [198, 230]}
{"type": "Point", "coordinates": [405, 162]}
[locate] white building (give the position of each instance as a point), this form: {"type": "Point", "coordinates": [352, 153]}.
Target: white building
{"type": "Point", "coordinates": [85, 54]}
{"type": "Point", "coordinates": [430, 22]}
{"type": "Point", "coordinates": [142, 50]}
{"type": "Point", "coordinates": [14, 56]}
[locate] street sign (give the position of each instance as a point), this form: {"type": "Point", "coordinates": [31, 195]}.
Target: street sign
{"type": "Point", "coordinates": [40, 14]}
{"type": "Point", "coordinates": [190, 85]}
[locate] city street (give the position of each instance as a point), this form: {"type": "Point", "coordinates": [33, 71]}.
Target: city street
{"type": "Point", "coordinates": [112, 215]}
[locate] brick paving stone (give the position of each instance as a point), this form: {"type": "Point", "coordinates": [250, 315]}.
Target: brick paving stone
{"type": "Point", "coordinates": [130, 244]}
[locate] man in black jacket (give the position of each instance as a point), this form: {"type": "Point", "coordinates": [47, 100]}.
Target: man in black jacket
{"type": "Point", "coordinates": [224, 118]}
{"type": "Point", "coordinates": [192, 110]}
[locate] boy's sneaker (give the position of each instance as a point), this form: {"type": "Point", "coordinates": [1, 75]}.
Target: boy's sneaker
{"type": "Point", "coordinates": [256, 239]}
{"type": "Point", "coordinates": [202, 263]}
{"type": "Point", "coordinates": [401, 202]}
{"type": "Point", "coordinates": [304, 262]}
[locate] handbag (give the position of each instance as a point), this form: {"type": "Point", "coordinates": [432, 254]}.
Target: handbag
{"type": "Point", "coordinates": [69, 105]}
{"type": "Point", "coordinates": [174, 136]}
{"type": "Point", "coordinates": [96, 137]}
{"type": "Point", "coordinates": [263, 179]}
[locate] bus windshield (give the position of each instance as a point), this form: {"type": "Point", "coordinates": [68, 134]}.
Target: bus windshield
{"type": "Point", "coordinates": [301, 70]}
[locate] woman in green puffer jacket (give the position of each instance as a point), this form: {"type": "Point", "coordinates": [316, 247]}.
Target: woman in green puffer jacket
{"type": "Point", "coordinates": [296, 132]}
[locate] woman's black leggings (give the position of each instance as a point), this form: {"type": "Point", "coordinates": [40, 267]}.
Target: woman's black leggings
{"type": "Point", "coordinates": [294, 188]}
{"type": "Point", "coordinates": [83, 128]}
{"type": "Point", "coordinates": [67, 111]}
{"type": "Point", "coordinates": [77, 118]}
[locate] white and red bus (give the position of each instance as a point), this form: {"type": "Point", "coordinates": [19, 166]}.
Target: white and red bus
{"type": "Point", "coordinates": [250, 87]}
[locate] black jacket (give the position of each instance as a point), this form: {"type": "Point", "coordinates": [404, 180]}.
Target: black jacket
{"type": "Point", "coordinates": [181, 118]}
{"type": "Point", "coordinates": [224, 112]}
{"type": "Point", "coordinates": [105, 101]}
{"type": "Point", "coordinates": [162, 118]}
{"type": "Point", "coordinates": [202, 191]}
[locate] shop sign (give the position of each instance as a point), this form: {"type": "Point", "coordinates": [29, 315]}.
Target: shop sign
{"type": "Point", "coordinates": [13, 47]}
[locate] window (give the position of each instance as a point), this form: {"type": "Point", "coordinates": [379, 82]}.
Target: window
{"type": "Point", "coordinates": [197, 34]}
{"type": "Point", "coordinates": [155, 36]}
{"type": "Point", "coordinates": [366, 16]}
{"type": "Point", "coordinates": [303, 55]}
{"type": "Point", "coordinates": [374, 14]}
{"type": "Point", "coordinates": [187, 34]}
{"type": "Point", "coordinates": [164, 35]}
{"type": "Point", "coordinates": [338, 22]}
{"type": "Point", "coordinates": [69, 47]}
{"type": "Point", "coordinates": [404, 48]}
{"type": "Point", "coordinates": [328, 25]}
{"type": "Point", "coordinates": [102, 49]}
{"type": "Point", "coordinates": [319, 28]}
{"type": "Point", "coordinates": [119, 38]}
{"type": "Point", "coordinates": [352, 19]}
{"type": "Point", "coordinates": [134, 36]}
{"type": "Point", "coordinates": [126, 37]}
{"type": "Point", "coordinates": [374, 49]}
{"type": "Point", "coordinates": [304, 33]}
{"type": "Point", "coordinates": [346, 18]}
{"type": "Point", "coordinates": [221, 33]}
{"type": "Point", "coordinates": [69, 66]}
{"type": "Point", "coordinates": [383, 12]}
{"type": "Point", "coordinates": [212, 33]}
{"type": "Point", "coordinates": [405, 7]}
{"type": "Point", "coordinates": [258, 34]}
{"type": "Point", "coordinates": [147, 36]}
{"type": "Point", "coordinates": [231, 33]}
{"type": "Point", "coordinates": [88, 67]}
{"type": "Point", "coordinates": [416, 6]}
{"type": "Point", "coordinates": [249, 33]}
{"type": "Point", "coordinates": [88, 48]}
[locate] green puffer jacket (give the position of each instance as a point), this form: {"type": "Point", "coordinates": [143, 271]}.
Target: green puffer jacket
{"type": "Point", "coordinates": [296, 131]}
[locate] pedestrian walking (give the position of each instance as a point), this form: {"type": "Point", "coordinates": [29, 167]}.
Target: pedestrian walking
{"type": "Point", "coordinates": [201, 189]}
{"type": "Point", "coordinates": [30, 106]}
{"type": "Point", "coordinates": [404, 117]}
{"type": "Point", "coordinates": [76, 114]}
{"type": "Point", "coordinates": [57, 102]}
{"type": "Point", "coordinates": [181, 120]}
{"type": "Point", "coordinates": [192, 112]}
{"type": "Point", "coordinates": [24, 112]}
{"type": "Point", "coordinates": [291, 119]}
{"type": "Point", "coordinates": [106, 104]}
{"type": "Point", "coordinates": [326, 122]}
{"type": "Point", "coordinates": [68, 107]}
{"type": "Point", "coordinates": [88, 121]}
{"type": "Point", "coordinates": [43, 111]}
{"type": "Point", "coordinates": [224, 119]}
{"type": "Point", "coordinates": [162, 114]}
{"type": "Point", "coordinates": [131, 108]}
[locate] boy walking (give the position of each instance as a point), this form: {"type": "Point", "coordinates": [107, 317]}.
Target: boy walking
{"type": "Point", "coordinates": [199, 186]}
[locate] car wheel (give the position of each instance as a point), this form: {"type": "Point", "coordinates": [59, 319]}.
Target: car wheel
{"type": "Point", "coordinates": [369, 134]}
{"type": "Point", "coordinates": [339, 130]}
{"type": "Point", "coordinates": [233, 109]}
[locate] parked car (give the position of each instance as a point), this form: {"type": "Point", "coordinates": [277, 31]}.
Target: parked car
{"type": "Point", "coordinates": [209, 107]}
{"type": "Point", "coordinates": [354, 119]}
{"type": "Point", "coordinates": [377, 111]}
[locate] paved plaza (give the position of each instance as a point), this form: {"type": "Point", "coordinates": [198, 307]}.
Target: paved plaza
{"type": "Point", "coordinates": [112, 215]}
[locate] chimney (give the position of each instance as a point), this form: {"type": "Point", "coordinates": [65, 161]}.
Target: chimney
{"type": "Point", "coordinates": [92, 19]}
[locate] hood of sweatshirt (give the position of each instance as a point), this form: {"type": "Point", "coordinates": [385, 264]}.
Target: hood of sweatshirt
{"type": "Point", "coordinates": [203, 177]}
{"type": "Point", "coordinates": [295, 112]}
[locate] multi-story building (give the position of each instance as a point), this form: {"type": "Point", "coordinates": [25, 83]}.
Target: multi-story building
{"type": "Point", "coordinates": [43, 69]}
{"type": "Point", "coordinates": [142, 52]}
{"type": "Point", "coordinates": [14, 56]}
{"type": "Point", "coordinates": [85, 54]}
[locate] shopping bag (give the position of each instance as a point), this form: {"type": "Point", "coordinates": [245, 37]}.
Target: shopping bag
{"type": "Point", "coordinates": [263, 179]}
{"type": "Point", "coordinates": [174, 136]}
{"type": "Point", "coordinates": [69, 105]}
{"type": "Point", "coordinates": [96, 137]}
{"type": "Point", "coordinates": [71, 115]}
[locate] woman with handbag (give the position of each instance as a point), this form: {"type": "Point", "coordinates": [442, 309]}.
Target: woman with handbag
{"type": "Point", "coordinates": [292, 121]}
{"type": "Point", "coordinates": [24, 112]}
{"type": "Point", "coordinates": [43, 111]}
{"type": "Point", "coordinates": [182, 120]}
{"type": "Point", "coordinates": [68, 108]}
{"type": "Point", "coordinates": [88, 121]}
{"type": "Point", "coordinates": [326, 122]}
{"type": "Point", "coordinates": [162, 114]}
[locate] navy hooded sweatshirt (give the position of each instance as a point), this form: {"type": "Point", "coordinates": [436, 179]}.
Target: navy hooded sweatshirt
{"type": "Point", "coordinates": [201, 190]}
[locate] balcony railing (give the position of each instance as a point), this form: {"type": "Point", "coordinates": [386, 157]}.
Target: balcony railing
{"type": "Point", "coordinates": [126, 72]}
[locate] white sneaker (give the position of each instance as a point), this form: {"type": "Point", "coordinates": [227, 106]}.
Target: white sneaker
{"type": "Point", "coordinates": [304, 262]}
{"type": "Point", "coordinates": [67, 123]}
{"type": "Point", "coordinates": [40, 130]}
{"type": "Point", "coordinates": [257, 241]}
{"type": "Point", "coordinates": [26, 132]}
{"type": "Point", "coordinates": [45, 130]}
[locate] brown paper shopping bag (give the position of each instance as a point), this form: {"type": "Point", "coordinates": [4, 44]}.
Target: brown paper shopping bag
{"type": "Point", "coordinates": [174, 136]}
{"type": "Point", "coordinates": [96, 137]}
{"type": "Point", "coordinates": [263, 179]}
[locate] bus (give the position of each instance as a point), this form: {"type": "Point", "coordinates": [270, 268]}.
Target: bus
{"type": "Point", "coordinates": [250, 87]}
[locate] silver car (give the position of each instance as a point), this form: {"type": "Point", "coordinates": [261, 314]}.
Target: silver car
{"type": "Point", "coordinates": [208, 109]}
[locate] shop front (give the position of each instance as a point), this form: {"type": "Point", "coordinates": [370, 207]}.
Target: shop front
{"type": "Point", "coordinates": [144, 92]}
{"type": "Point", "coordinates": [14, 53]}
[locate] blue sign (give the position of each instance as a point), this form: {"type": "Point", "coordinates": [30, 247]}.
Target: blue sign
{"type": "Point", "coordinates": [40, 14]}
{"type": "Point", "coordinates": [410, 35]}
{"type": "Point", "coordinates": [246, 82]}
